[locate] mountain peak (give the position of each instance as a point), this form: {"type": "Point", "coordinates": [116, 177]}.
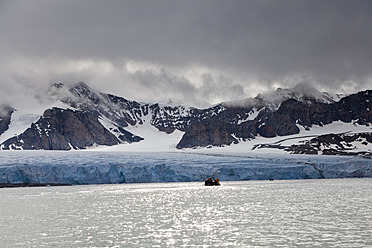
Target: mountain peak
{"type": "Point", "coordinates": [81, 84]}
{"type": "Point", "coordinates": [57, 85]}
{"type": "Point", "coordinates": [174, 102]}
{"type": "Point", "coordinates": [83, 91]}
{"type": "Point", "coordinates": [303, 92]}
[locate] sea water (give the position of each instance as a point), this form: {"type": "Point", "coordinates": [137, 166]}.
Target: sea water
{"type": "Point", "coordinates": [293, 213]}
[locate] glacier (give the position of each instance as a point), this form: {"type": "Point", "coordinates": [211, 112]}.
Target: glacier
{"type": "Point", "coordinates": [95, 167]}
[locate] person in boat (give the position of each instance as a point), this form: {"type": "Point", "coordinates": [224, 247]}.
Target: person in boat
{"type": "Point", "coordinates": [208, 182]}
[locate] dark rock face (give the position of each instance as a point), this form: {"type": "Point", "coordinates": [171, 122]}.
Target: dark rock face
{"type": "Point", "coordinates": [208, 132]}
{"type": "Point", "coordinates": [356, 107]}
{"type": "Point", "coordinates": [60, 129]}
{"type": "Point", "coordinates": [5, 115]}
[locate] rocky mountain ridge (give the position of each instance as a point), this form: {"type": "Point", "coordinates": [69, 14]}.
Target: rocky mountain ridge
{"type": "Point", "coordinates": [5, 116]}
{"type": "Point", "coordinates": [93, 118]}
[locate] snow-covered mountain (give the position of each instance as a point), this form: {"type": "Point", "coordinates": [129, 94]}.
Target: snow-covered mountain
{"type": "Point", "coordinates": [297, 120]}
{"type": "Point", "coordinates": [301, 92]}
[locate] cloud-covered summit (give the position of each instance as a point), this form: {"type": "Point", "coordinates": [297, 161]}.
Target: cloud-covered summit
{"type": "Point", "coordinates": [194, 51]}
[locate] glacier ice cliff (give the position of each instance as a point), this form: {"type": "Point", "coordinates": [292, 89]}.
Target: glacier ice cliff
{"type": "Point", "coordinates": [88, 167]}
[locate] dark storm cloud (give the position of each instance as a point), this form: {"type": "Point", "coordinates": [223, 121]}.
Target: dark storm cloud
{"type": "Point", "coordinates": [250, 43]}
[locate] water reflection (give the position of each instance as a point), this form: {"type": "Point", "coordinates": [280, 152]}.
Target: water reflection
{"type": "Point", "coordinates": [308, 213]}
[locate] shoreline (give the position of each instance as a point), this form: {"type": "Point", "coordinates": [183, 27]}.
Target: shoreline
{"type": "Point", "coordinates": [21, 185]}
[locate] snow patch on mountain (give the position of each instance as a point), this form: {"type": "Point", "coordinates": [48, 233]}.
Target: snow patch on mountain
{"type": "Point", "coordinates": [334, 96]}
{"type": "Point", "coordinates": [154, 140]}
{"type": "Point", "coordinates": [250, 117]}
{"type": "Point", "coordinates": [22, 119]}
{"type": "Point", "coordinates": [110, 125]}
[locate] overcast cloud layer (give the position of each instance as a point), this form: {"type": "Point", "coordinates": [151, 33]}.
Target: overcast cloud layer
{"type": "Point", "coordinates": [194, 51]}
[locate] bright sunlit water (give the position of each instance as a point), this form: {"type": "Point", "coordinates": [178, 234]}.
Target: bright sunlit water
{"type": "Point", "coordinates": [296, 213]}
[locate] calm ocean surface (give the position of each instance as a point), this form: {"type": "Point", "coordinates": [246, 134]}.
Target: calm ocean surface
{"type": "Point", "coordinates": [295, 213]}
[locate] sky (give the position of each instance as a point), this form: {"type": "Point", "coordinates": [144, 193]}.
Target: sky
{"type": "Point", "coordinates": [196, 52]}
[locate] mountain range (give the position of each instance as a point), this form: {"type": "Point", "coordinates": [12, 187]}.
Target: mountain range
{"type": "Point", "coordinates": [299, 120]}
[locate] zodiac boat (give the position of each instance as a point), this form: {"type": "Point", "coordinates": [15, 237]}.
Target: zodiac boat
{"type": "Point", "coordinates": [210, 182]}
